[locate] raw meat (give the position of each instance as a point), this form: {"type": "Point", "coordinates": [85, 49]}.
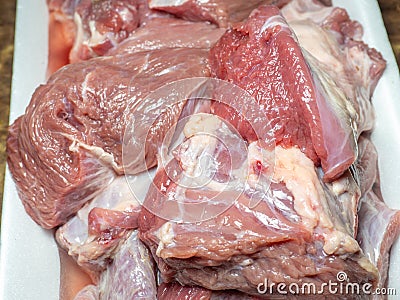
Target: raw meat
{"type": "Point", "coordinates": [367, 165]}
{"type": "Point", "coordinates": [101, 25]}
{"type": "Point", "coordinates": [221, 12]}
{"type": "Point", "coordinates": [61, 33]}
{"type": "Point", "coordinates": [379, 225]}
{"type": "Point", "coordinates": [343, 195]}
{"type": "Point", "coordinates": [93, 236]}
{"type": "Point", "coordinates": [379, 228]}
{"type": "Point", "coordinates": [202, 35]}
{"type": "Point", "coordinates": [303, 107]}
{"type": "Point", "coordinates": [68, 145]}
{"type": "Point", "coordinates": [131, 275]}
{"type": "Point", "coordinates": [89, 28]}
{"type": "Point", "coordinates": [236, 200]}
{"type": "Point", "coordinates": [335, 41]}
{"type": "Point", "coordinates": [285, 233]}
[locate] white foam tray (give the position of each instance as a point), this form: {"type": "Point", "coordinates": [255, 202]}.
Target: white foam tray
{"type": "Point", "coordinates": [29, 258]}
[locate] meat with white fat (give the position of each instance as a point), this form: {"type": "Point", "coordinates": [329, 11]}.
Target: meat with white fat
{"type": "Point", "coordinates": [68, 145]}
{"type": "Point", "coordinates": [256, 231]}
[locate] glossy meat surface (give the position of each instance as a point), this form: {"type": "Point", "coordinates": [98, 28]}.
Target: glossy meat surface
{"type": "Point", "coordinates": [283, 230]}
{"type": "Point", "coordinates": [221, 12]}
{"type": "Point", "coordinates": [304, 109]}
{"type": "Point", "coordinates": [82, 29]}
{"type": "Point", "coordinates": [131, 274]}
{"type": "Point", "coordinates": [335, 41]}
{"type": "Point", "coordinates": [78, 120]}
{"type": "Point", "coordinates": [94, 235]}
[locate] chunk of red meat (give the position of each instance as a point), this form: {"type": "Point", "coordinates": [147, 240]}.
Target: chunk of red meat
{"type": "Point", "coordinates": [147, 37]}
{"type": "Point", "coordinates": [379, 229]}
{"type": "Point", "coordinates": [101, 25]}
{"type": "Point", "coordinates": [83, 29]}
{"type": "Point", "coordinates": [68, 145]}
{"type": "Point", "coordinates": [335, 41]}
{"type": "Point", "coordinates": [264, 231]}
{"type": "Point", "coordinates": [221, 12]}
{"type": "Point", "coordinates": [131, 275]}
{"type": "Point", "coordinates": [61, 33]}
{"type": "Point", "coordinates": [263, 57]}
{"type": "Point", "coordinates": [103, 221]}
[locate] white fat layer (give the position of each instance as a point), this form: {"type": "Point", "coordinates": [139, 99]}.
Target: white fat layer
{"type": "Point", "coordinates": [196, 156]}
{"type": "Point", "coordinates": [257, 154]}
{"type": "Point", "coordinates": [96, 37]}
{"type": "Point", "coordinates": [79, 37]}
{"type": "Point", "coordinates": [300, 177]}
{"type": "Point", "coordinates": [97, 152]}
{"type": "Point", "coordinates": [319, 43]}
{"type": "Point", "coordinates": [166, 235]}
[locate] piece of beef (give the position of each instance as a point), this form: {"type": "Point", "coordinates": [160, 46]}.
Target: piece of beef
{"type": "Point", "coordinates": [220, 12]}
{"type": "Point", "coordinates": [379, 228]}
{"type": "Point", "coordinates": [343, 195]}
{"type": "Point", "coordinates": [303, 107]}
{"type": "Point", "coordinates": [83, 29]}
{"type": "Point", "coordinates": [367, 165]}
{"type": "Point", "coordinates": [101, 25]}
{"type": "Point", "coordinates": [68, 145]}
{"type": "Point", "coordinates": [379, 225]}
{"type": "Point", "coordinates": [131, 275]}
{"type": "Point", "coordinates": [61, 33]}
{"type": "Point", "coordinates": [335, 41]}
{"type": "Point", "coordinates": [94, 235]}
{"type": "Point", "coordinates": [223, 13]}
{"type": "Point", "coordinates": [147, 37]}
{"type": "Point", "coordinates": [278, 228]}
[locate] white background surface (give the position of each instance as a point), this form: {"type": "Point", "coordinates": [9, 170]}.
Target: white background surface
{"type": "Point", "coordinates": [29, 259]}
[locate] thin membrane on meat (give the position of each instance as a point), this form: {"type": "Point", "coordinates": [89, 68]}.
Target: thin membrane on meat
{"type": "Point", "coordinates": [221, 12]}
{"type": "Point", "coordinates": [68, 145]}
{"type": "Point", "coordinates": [292, 222]}
{"type": "Point", "coordinates": [335, 41]}
{"type": "Point", "coordinates": [284, 192]}
{"type": "Point", "coordinates": [94, 235]}
{"type": "Point", "coordinates": [263, 57]}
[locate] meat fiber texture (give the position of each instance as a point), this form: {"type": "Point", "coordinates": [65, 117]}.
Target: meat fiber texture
{"type": "Point", "coordinates": [224, 13]}
{"type": "Point", "coordinates": [68, 145]}
{"type": "Point", "coordinates": [83, 29]}
{"type": "Point", "coordinates": [220, 12]}
{"type": "Point", "coordinates": [284, 233]}
{"type": "Point", "coordinates": [284, 214]}
{"type": "Point", "coordinates": [304, 106]}
{"type": "Point", "coordinates": [130, 275]}
{"type": "Point", "coordinates": [241, 246]}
